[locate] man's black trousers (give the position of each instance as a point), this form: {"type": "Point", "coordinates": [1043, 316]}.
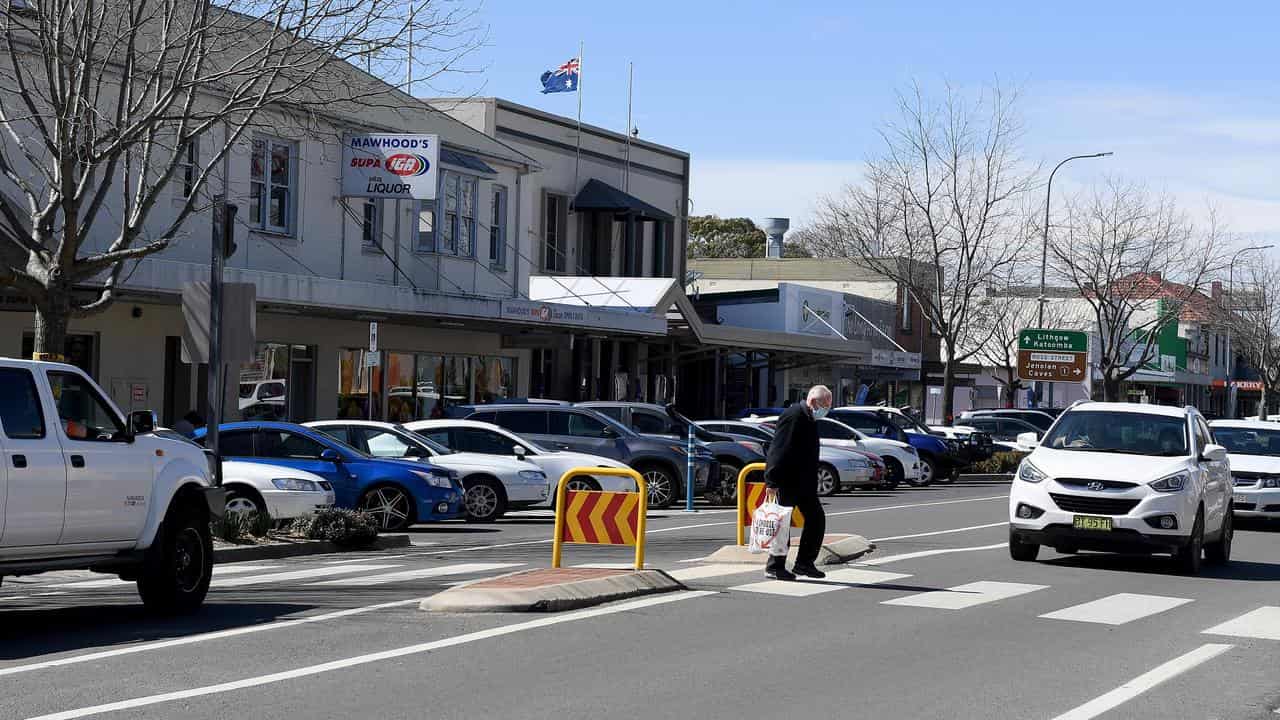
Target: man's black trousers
{"type": "Point", "coordinates": [815, 528]}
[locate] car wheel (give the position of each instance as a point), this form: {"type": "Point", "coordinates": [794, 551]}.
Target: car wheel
{"type": "Point", "coordinates": [928, 472]}
{"type": "Point", "coordinates": [242, 501]}
{"type": "Point", "coordinates": [661, 485]}
{"type": "Point", "coordinates": [893, 474]}
{"type": "Point", "coordinates": [390, 507]}
{"type": "Point", "coordinates": [729, 482]}
{"type": "Point", "coordinates": [1189, 557]}
{"type": "Point", "coordinates": [943, 475]}
{"type": "Point", "coordinates": [178, 567]}
{"type": "Point", "coordinates": [1219, 552]}
{"type": "Point", "coordinates": [485, 500]}
{"type": "Point", "coordinates": [828, 480]}
{"type": "Point", "coordinates": [1022, 551]}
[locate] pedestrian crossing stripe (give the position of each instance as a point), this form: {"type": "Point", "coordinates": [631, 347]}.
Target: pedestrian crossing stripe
{"type": "Point", "coordinates": [1117, 609]}
{"type": "Point", "coordinates": [966, 596]}
{"type": "Point", "coordinates": [601, 518]}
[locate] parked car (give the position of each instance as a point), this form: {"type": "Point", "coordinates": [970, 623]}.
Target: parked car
{"type": "Point", "coordinates": [732, 454]}
{"type": "Point", "coordinates": [493, 483]}
{"type": "Point", "coordinates": [661, 461]}
{"type": "Point", "coordinates": [940, 458]}
{"type": "Point", "coordinates": [1039, 418]}
{"type": "Point", "coordinates": [284, 493]}
{"type": "Point", "coordinates": [89, 487]}
{"type": "Point", "coordinates": [901, 460]}
{"type": "Point", "coordinates": [1122, 477]}
{"type": "Point", "coordinates": [835, 470]}
{"type": "Point", "coordinates": [1000, 428]}
{"type": "Point", "coordinates": [1253, 450]}
{"type": "Point", "coordinates": [398, 493]}
{"type": "Point", "coordinates": [489, 440]}
{"type": "Point", "coordinates": [745, 428]}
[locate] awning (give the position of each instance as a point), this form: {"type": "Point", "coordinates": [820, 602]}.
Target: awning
{"type": "Point", "coordinates": [599, 195]}
{"type": "Point", "coordinates": [465, 161]}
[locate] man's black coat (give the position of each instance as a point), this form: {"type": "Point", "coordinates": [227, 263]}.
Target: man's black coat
{"type": "Point", "coordinates": [792, 466]}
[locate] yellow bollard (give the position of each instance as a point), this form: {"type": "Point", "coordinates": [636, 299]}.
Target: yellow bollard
{"type": "Point", "coordinates": [600, 518]}
{"type": "Point", "coordinates": [742, 499]}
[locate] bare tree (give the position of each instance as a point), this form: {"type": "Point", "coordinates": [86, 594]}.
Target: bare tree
{"type": "Point", "coordinates": [1140, 263]}
{"type": "Point", "coordinates": [1254, 315]}
{"type": "Point", "coordinates": [940, 212]}
{"type": "Point", "coordinates": [103, 102]}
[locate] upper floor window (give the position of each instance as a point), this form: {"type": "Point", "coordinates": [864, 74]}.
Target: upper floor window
{"type": "Point", "coordinates": [371, 222]}
{"type": "Point", "coordinates": [188, 167]}
{"type": "Point", "coordinates": [498, 227]}
{"type": "Point", "coordinates": [904, 322]}
{"type": "Point", "coordinates": [458, 231]}
{"type": "Point", "coordinates": [426, 241]}
{"type": "Point", "coordinates": [273, 178]}
{"type": "Point", "coordinates": [555, 218]}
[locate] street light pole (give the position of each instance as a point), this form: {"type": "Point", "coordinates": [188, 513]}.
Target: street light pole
{"type": "Point", "coordinates": [1044, 254]}
{"type": "Point", "coordinates": [1231, 287]}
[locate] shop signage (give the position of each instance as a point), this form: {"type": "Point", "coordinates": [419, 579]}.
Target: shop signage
{"type": "Point", "coordinates": [390, 165]}
{"type": "Point", "coordinates": [1247, 385]}
{"type": "Point", "coordinates": [602, 319]}
{"type": "Point", "coordinates": [894, 358]}
{"type": "Point", "coordinates": [1052, 355]}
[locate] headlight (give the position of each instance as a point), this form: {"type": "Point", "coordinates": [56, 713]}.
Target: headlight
{"type": "Point", "coordinates": [433, 479]}
{"type": "Point", "coordinates": [1030, 473]}
{"type": "Point", "coordinates": [294, 484]}
{"type": "Point", "coordinates": [532, 475]}
{"type": "Point", "coordinates": [1170, 483]}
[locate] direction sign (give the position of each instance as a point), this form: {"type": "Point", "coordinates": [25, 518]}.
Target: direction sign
{"type": "Point", "coordinates": [1053, 355]}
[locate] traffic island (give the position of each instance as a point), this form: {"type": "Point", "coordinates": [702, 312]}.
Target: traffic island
{"type": "Point", "coordinates": [836, 549]}
{"type": "Point", "coordinates": [550, 590]}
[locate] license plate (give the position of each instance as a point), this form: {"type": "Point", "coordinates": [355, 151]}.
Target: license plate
{"type": "Point", "coordinates": [1092, 522]}
{"type": "Point", "coordinates": [1240, 499]}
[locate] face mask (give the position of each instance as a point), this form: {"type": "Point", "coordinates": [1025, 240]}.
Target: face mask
{"type": "Point", "coordinates": [821, 412]}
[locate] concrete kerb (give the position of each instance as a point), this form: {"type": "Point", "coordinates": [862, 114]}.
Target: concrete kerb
{"type": "Point", "coordinates": [278, 550]}
{"type": "Point", "coordinates": [836, 549]}
{"type": "Point", "coordinates": [540, 591]}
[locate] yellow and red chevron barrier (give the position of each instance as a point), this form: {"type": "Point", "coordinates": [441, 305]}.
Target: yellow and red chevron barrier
{"type": "Point", "coordinates": [750, 497]}
{"type": "Point", "coordinates": [592, 517]}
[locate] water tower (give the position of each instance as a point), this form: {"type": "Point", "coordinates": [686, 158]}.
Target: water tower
{"type": "Point", "coordinates": [774, 229]}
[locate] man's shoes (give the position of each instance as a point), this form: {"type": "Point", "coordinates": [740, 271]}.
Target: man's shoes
{"type": "Point", "coordinates": [779, 574]}
{"type": "Point", "coordinates": [809, 570]}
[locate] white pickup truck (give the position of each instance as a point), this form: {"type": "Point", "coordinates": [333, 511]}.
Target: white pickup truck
{"type": "Point", "coordinates": [82, 486]}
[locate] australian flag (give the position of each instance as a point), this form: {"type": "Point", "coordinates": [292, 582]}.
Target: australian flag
{"type": "Point", "coordinates": [562, 79]}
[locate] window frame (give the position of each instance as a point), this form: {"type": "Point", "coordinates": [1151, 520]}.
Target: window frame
{"type": "Point", "coordinates": [188, 167]}
{"type": "Point", "coordinates": [260, 188]}
{"type": "Point", "coordinates": [498, 226]}
{"type": "Point", "coordinates": [121, 435]}
{"type": "Point", "coordinates": [371, 222]}
{"type": "Point", "coordinates": [560, 230]}
{"type": "Point", "coordinates": [431, 209]}
{"type": "Point", "coordinates": [904, 318]}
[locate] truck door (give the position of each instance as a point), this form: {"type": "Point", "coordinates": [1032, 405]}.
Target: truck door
{"type": "Point", "coordinates": [34, 489]}
{"type": "Point", "coordinates": [109, 477]}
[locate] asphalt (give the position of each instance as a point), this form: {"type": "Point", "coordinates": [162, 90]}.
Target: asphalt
{"type": "Point", "coordinates": [938, 623]}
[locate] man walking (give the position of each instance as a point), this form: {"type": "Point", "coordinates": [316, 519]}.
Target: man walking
{"type": "Point", "coordinates": [791, 477]}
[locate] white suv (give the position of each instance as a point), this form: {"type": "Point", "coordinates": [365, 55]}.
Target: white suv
{"type": "Point", "coordinates": [1124, 477]}
{"type": "Point", "coordinates": [1253, 449]}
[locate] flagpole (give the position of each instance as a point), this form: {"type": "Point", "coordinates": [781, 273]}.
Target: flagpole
{"type": "Point", "coordinates": [577, 150]}
{"type": "Point", "coordinates": [626, 173]}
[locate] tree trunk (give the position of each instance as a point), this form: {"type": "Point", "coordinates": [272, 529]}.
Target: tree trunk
{"type": "Point", "coordinates": [1110, 389]}
{"type": "Point", "coordinates": [1262, 403]}
{"type": "Point", "coordinates": [948, 390]}
{"type": "Point", "coordinates": [51, 328]}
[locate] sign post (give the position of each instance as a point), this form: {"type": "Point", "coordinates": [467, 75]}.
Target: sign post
{"type": "Point", "coordinates": [371, 361]}
{"type": "Point", "coordinates": [1053, 356]}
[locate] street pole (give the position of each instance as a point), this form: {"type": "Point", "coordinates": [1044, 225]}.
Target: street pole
{"type": "Point", "coordinates": [215, 375]}
{"type": "Point", "coordinates": [1044, 252]}
{"type": "Point", "coordinates": [688, 473]}
{"type": "Point", "coordinates": [1231, 286]}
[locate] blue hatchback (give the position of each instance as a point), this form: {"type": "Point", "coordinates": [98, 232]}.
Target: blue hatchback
{"type": "Point", "coordinates": [397, 492]}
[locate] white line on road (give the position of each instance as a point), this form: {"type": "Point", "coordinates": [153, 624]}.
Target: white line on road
{"type": "Point", "coordinates": [927, 553]}
{"type": "Point", "coordinates": [942, 532]}
{"type": "Point", "coordinates": [419, 574]}
{"type": "Point", "coordinates": [966, 596]}
{"type": "Point", "coordinates": [354, 661]}
{"type": "Point", "coordinates": [298, 575]}
{"type": "Point", "coordinates": [218, 571]}
{"type": "Point", "coordinates": [1117, 609]}
{"type": "Point", "coordinates": [1144, 682]}
{"type": "Point", "coordinates": [203, 637]}
{"type": "Point", "coordinates": [837, 580]}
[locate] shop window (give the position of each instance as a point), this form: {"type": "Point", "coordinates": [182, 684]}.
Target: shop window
{"type": "Point", "coordinates": [430, 378]}
{"type": "Point", "coordinates": [277, 384]}
{"type": "Point", "coordinates": [355, 379]}
{"type": "Point", "coordinates": [273, 177]}
{"type": "Point", "coordinates": [495, 378]}
{"type": "Point", "coordinates": [401, 403]}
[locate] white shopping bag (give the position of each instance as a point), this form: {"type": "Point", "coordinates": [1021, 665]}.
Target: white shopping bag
{"type": "Point", "coordinates": [770, 529]}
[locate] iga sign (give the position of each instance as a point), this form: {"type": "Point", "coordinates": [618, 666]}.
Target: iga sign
{"type": "Point", "coordinates": [400, 167]}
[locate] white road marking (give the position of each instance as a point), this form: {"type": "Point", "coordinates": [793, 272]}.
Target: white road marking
{"type": "Point", "coordinates": [298, 575]}
{"type": "Point", "coordinates": [1117, 609]}
{"type": "Point", "coordinates": [612, 566]}
{"type": "Point", "coordinates": [369, 658]}
{"type": "Point", "coordinates": [203, 637]}
{"type": "Point", "coordinates": [218, 571]}
{"type": "Point", "coordinates": [1263, 624]}
{"type": "Point", "coordinates": [965, 596]}
{"type": "Point", "coordinates": [835, 580]}
{"type": "Point", "coordinates": [942, 532]}
{"type": "Point", "coordinates": [715, 570]}
{"type": "Point", "coordinates": [418, 574]}
{"type": "Point", "coordinates": [927, 553]}
{"type": "Point", "coordinates": [1144, 682]}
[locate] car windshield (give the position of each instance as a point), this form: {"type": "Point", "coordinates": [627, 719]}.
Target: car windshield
{"type": "Point", "coordinates": [903, 422]}
{"type": "Point", "coordinates": [410, 436]}
{"type": "Point", "coordinates": [1248, 441]}
{"type": "Point", "coordinates": [1119, 432]}
{"type": "Point", "coordinates": [623, 430]}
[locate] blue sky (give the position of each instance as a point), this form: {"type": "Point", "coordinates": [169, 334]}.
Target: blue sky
{"type": "Point", "coordinates": [779, 102]}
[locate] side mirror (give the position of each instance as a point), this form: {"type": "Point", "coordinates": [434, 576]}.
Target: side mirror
{"type": "Point", "coordinates": [1029, 439]}
{"type": "Point", "coordinates": [1214, 453]}
{"type": "Point", "coordinates": [609, 432]}
{"type": "Point", "coordinates": [518, 451]}
{"type": "Point", "coordinates": [142, 421]}
{"type": "Point", "coordinates": [331, 455]}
